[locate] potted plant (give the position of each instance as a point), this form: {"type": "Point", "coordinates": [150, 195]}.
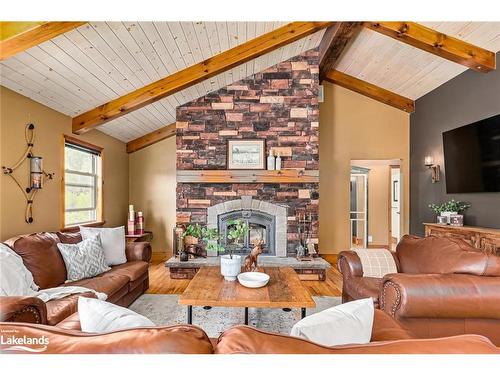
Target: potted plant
{"type": "Point", "coordinates": [230, 264]}
{"type": "Point", "coordinates": [449, 208]}
{"type": "Point", "coordinates": [194, 234]}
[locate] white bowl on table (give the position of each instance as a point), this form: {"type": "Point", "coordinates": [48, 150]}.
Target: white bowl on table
{"type": "Point", "coordinates": [253, 279]}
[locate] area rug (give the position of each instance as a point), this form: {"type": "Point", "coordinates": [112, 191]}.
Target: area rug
{"type": "Point", "coordinates": [163, 309]}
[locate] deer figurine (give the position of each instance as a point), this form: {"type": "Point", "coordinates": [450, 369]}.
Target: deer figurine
{"type": "Point", "coordinates": [251, 259]}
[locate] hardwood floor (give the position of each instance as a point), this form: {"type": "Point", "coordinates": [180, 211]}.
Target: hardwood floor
{"type": "Point", "coordinates": [160, 282]}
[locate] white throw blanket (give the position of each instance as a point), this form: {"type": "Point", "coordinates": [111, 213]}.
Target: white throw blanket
{"type": "Point", "coordinates": [17, 280]}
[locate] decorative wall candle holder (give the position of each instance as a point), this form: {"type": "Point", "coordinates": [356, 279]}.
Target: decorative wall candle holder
{"type": "Point", "coordinates": [37, 175]}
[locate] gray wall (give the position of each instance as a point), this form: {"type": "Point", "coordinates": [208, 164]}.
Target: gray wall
{"type": "Point", "coordinates": [467, 98]}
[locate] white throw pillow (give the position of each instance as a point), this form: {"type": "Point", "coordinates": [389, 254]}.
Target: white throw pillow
{"type": "Point", "coordinates": [349, 323]}
{"type": "Point", "coordinates": [84, 259]}
{"type": "Point", "coordinates": [15, 278]}
{"type": "Point", "coordinates": [113, 243]}
{"type": "Point", "coordinates": [100, 317]}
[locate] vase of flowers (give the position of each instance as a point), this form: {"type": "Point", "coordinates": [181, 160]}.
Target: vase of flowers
{"type": "Point", "coordinates": [446, 210]}
{"type": "Point", "coordinates": [230, 264]}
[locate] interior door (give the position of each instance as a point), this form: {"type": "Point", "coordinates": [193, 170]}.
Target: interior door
{"type": "Point", "coordinates": [358, 210]}
{"type": "Point", "coordinates": [395, 203]}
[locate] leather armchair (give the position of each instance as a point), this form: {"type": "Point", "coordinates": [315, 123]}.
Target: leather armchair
{"type": "Point", "coordinates": [443, 287]}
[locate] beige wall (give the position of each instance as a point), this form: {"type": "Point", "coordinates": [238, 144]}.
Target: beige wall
{"type": "Point", "coordinates": [152, 190]}
{"type": "Point", "coordinates": [16, 111]}
{"type": "Point", "coordinates": [353, 126]}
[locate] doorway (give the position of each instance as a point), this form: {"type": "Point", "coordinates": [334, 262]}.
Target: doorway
{"type": "Point", "coordinates": [359, 207]}
{"type": "Point", "coordinates": [395, 207]}
{"type": "Point", "coordinates": [375, 203]}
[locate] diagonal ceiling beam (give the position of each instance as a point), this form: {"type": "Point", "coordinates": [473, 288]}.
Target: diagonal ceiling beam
{"type": "Point", "coordinates": [17, 37]}
{"type": "Point", "coordinates": [334, 42]}
{"type": "Point", "coordinates": [439, 44]}
{"type": "Point", "coordinates": [151, 138]}
{"type": "Point", "coordinates": [195, 73]}
{"type": "Point", "coordinates": [370, 90]}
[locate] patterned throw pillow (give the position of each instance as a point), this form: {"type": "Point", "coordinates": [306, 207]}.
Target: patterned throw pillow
{"type": "Point", "coordinates": [376, 262]}
{"type": "Point", "coordinates": [84, 259]}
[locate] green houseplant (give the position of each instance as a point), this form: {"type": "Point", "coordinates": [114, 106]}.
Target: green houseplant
{"type": "Point", "coordinates": [208, 236]}
{"type": "Point", "coordinates": [447, 209]}
{"type": "Point", "coordinates": [230, 264]}
{"type": "Point", "coordinates": [237, 230]}
{"type": "Point", "coordinates": [451, 206]}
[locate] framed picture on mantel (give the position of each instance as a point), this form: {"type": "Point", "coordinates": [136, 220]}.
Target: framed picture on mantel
{"type": "Point", "coordinates": [246, 154]}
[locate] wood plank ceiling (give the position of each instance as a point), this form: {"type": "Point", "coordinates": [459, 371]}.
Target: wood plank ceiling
{"type": "Point", "coordinates": [100, 61]}
{"type": "Point", "coordinates": [408, 71]}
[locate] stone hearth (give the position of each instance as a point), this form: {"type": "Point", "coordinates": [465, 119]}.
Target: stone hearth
{"type": "Point", "coordinates": [314, 269]}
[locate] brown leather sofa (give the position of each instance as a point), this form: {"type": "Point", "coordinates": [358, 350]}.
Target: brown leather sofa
{"type": "Point", "coordinates": [443, 287]}
{"type": "Point", "coordinates": [123, 283]}
{"type": "Point", "coordinates": [388, 337]}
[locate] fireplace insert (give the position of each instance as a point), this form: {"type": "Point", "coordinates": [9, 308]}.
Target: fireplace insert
{"type": "Point", "coordinates": [262, 226]}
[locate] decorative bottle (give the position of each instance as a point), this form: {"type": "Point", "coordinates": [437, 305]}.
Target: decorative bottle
{"type": "Point", "coordinates": [278, 162]}
{"type": "Point", "coordinates": [131, 220]}
{"type": "Point", "coordinates": [270, 161]}
{"type": "Point", "coordinates": [139, 223]}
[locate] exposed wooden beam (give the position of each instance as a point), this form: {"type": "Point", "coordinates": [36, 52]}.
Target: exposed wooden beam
{"type": "Point", "coordinates": [437, 43]}
{"type": "Point", "coordinates": [334, 42]}
{"type": "Point", "coordinates": [195, 73]}
{"type": "Point", "coordinates": [19, 36]}
{"type": "Point", "coordinates": [10, 29]}
{"type": "Point", "coordinates": [151, 138]}
{"type": "Point", "coordinates": [370, 90]}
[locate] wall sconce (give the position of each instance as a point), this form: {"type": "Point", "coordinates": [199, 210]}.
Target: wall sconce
{"type": "Point", "coordinates": [37, 175]}
{"type": "Point", "coordinates": [435, 170]}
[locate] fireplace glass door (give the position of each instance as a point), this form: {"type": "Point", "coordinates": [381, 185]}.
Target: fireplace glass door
{"type": "Point", "coordinates": [261, 227]}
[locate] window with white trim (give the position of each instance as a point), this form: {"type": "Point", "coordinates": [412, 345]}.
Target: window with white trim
{"type": "Point", "coordinates": [82, 183]}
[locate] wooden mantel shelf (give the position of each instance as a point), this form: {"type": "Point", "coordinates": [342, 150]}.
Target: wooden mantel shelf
{"type": "Point", "coordinates": [285, 176]}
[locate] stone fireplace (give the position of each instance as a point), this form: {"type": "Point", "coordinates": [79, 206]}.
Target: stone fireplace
{"type": "Point", "coordinates": [279, 105]}
{"type": "Point", "coordinates": [267, 222]}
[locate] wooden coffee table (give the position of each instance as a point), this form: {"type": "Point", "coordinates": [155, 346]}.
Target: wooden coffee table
{"type": "Point", "coordinates": [284, 290]}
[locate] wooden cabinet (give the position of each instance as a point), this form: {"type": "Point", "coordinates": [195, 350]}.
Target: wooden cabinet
{"type": "Point", "coordinates": [484, 239]}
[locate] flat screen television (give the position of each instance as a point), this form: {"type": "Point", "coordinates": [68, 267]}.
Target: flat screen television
{"type": "Point", "coordinates": [472, 157]}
